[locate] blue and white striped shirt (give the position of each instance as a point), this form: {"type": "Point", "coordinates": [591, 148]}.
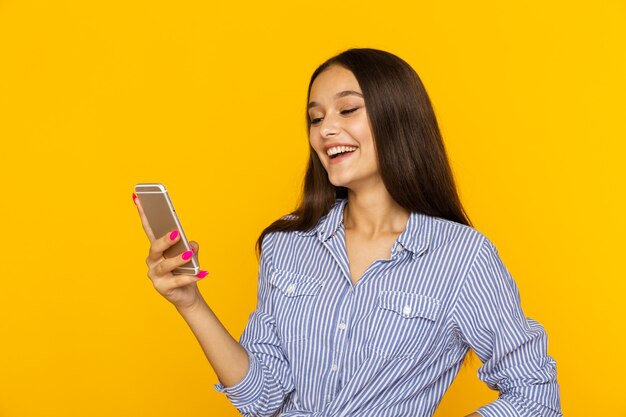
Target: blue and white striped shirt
{"type": "Point", "coordinates": [391, 344]}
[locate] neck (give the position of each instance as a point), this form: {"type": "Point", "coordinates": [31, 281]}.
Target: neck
{"type": "Point", "coordinates": [374, 213]}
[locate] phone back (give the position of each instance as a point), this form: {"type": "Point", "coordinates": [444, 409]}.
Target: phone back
{"type": "Point", "coordinates": [162, 218]}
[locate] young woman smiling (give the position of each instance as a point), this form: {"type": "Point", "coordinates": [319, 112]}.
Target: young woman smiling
{"type": "Point", "coordinates": [373, 291]}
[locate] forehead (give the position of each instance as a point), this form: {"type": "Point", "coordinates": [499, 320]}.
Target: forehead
{"type": "Point", "coordinates": [332, 81]}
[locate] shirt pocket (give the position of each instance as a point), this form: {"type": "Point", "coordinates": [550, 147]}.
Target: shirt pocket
{"type": "Point", "coordinates": [295, 297]}
{"type": "Point", "coordinates": [403, 324]}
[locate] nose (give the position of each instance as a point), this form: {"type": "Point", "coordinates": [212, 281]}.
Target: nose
{"type": "Point", "coordinates": [328, 133]}
{"type": "Point", "coordinates": [329, 127]}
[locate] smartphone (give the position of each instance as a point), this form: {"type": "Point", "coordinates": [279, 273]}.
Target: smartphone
{"type": "Point", "coordinates": [162, 218]}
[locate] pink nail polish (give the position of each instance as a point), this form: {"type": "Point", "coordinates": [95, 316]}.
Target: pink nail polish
{"type": "Point", "coordinates": [173, 235]}
{"type": "Point", "coordinates": [202, 274]}
{"type": "Point", "coordinates": [187, 255]}
{"type": "Point", "coordinates": [134, 198]}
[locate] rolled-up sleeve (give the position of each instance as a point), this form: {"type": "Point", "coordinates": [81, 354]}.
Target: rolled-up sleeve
{"type": "Point", "coordinates": [268, 381]}
{"type": "Point", "coordinates": [512, 347]}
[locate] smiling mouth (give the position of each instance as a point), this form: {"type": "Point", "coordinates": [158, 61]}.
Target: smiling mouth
{"type": "Point", "coordinates": [339, 149]}
{"type": "Point", "coordinates": [340, 154]}
{"type": "Point", "coordinates": [337, 158]}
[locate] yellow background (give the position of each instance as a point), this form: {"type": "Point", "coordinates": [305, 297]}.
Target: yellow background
{"type": "Point", "coordinates": [208, 98]}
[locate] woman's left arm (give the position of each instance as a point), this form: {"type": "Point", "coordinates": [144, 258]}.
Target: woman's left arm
{"type": "Point", "coordinates": [512, 347]}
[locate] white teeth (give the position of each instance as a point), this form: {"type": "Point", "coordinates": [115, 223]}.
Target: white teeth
{"type": "Point", "coordinates": [339, 149]}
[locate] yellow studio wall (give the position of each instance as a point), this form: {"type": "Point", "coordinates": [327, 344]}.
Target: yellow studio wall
{"type": "Point", "coordinates": [208, 98]}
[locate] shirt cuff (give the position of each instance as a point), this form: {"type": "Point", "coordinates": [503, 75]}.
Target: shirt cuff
{"type": "Point", "coordinates": [498, 408]}
{"type": "Point", "coordinates": [246, 391]}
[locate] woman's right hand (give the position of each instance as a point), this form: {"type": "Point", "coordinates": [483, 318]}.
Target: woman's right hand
{"type": "Point", "coordinates": [180, 290]}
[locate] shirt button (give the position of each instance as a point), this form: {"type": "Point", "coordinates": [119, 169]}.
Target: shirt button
{"type": "Point", "coordinates": [334, 367]}
{"type": "Point", "coordinates": [406, 310]}
{"type": "Point", "coordinates": [400, 248]}
{"type": "Point", "coordinates": [334, 233]}
{"type": "Point", "coordinates": [291, 288]}
{"type": "Point", "coordinates": [342, 326]}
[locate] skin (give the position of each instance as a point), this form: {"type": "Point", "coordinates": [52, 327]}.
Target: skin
{"type": "Point", "coordinates": [372, 219]}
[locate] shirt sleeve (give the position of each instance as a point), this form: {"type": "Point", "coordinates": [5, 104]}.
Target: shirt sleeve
{"type": "Point", "coordinates": [512, 347]}
{"type": "Point", "coordinates": [268, 381]}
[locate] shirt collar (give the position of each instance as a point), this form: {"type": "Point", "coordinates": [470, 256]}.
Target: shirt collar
{"type": "Point", "coordinates": [329, 223]}
{"type": "Point", "coordinates": [416, 237]}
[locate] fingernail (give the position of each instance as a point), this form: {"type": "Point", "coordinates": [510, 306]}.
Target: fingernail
{"type": "Point", "coordinates": [134, 198]}
{"type": "Point", "coordinates": [187, 255]}
{"type": "Point", "coordinates": [173, 235]}
{"type": "Point", "coordinates": [202, 274]}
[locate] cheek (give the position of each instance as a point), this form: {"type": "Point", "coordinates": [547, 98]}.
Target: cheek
{"type": "Point", "coordinates": [317, 146]}
{"type": "Point", "coordinates": [314, 142]}
{"type": "Point", "coordinates": [317, 142]}
{"type": "Point", "coordinates": [360, 130]}
{"type": "Point", "coordinates": [368, 151]}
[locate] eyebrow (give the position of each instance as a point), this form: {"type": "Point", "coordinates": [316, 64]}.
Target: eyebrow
{"type": "Point", "coordinates": [338, 95]}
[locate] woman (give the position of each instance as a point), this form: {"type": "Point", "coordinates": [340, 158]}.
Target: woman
{"type": "Point", "coordinates": [375, 288]}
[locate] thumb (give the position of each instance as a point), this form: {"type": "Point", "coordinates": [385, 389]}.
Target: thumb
{"type": "Point", "coordinates": [194, 246]}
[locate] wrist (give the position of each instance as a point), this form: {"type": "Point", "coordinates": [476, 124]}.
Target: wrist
{"type": "Point", "coordinates": [199, 304]}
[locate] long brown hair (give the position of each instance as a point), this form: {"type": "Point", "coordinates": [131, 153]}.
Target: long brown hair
{"type": "Point", "coordinates": [411, 155]}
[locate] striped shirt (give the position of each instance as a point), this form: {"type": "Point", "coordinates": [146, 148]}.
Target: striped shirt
{"type": "Point", "coordinates": [391, 344]}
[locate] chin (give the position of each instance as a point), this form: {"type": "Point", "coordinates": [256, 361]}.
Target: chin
{"type": "Point", "coordinates": [338, 183]}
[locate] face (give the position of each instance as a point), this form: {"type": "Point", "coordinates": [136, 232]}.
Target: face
{"type": "Point", "coordinates": [340, 132]}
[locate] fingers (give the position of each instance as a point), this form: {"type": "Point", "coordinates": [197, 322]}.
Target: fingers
{"type": "Point", "coordinates": [166, 284]}
{"type": "Point", "coordinates": [144, 221]}
{"type": "Point", "coordinates": [158, 246]}
{"type": "Point", "coordinates": [168, 265]}
{"type": "Point", "coordinates": [164, 281]}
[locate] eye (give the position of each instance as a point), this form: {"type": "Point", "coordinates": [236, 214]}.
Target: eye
{"type": "Point", "coordinates": [319, 119]}
{"type": "Point", "coordinates": [350, 110]}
